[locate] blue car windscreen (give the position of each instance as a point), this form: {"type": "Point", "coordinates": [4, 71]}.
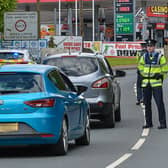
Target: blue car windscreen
{"type": "Point", "coordinates": [17, 82]}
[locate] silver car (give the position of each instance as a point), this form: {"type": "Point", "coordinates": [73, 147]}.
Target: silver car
{"type": "Point", "coordinates": [93, 71]}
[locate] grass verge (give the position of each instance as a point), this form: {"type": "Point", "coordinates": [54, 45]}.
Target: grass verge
{"type": "Point", "coordinates": [121, 61]}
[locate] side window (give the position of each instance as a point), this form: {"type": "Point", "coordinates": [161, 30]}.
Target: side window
{"type": "Point", "coordinates": [58, 81]}
{"type": "Point", "coordinates": [109, 67]}
{"type": "Point", "coordinates": [103, 66]}
{"type": "Point", "coordinates": [68, 83]}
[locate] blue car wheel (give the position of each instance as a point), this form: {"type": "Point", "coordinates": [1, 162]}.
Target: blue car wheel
{"type": "Point", "coordinates": [85, 139]}
{"type": "Point", "coordinates": [61, 147]}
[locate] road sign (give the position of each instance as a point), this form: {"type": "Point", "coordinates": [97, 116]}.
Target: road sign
{"type": "Point", "coordinates": [20, 26]}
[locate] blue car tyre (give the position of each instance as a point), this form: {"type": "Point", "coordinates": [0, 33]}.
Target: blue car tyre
{"type": "Point", "coordinates": [61, 147]}
{"type": "Point", "coordinates": [85, 139]}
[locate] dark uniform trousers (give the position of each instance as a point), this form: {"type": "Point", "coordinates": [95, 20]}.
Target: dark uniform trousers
{"type": "Point", "coordinates": [139, 88]}
{"type": "Point", "coordinates": [157, 93]}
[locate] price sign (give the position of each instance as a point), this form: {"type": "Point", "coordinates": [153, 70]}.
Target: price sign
{"type": "Point", "coordinates": [124, 8]}
{"type": "Point", "coordinates": [124, 20]}
{"type": "Point", "coordinates": [125, 28]}
{"type": "Point", "coordinates": [124, 37]}
{"type": "Point", "coordinates": [124, 1]}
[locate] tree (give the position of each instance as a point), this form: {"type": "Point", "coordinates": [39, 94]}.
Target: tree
{"type": "Point", "coordinates": [6, 6]}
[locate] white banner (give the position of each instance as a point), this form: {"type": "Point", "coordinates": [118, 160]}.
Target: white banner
{"type": "Point", "coordinates": [121, 48]}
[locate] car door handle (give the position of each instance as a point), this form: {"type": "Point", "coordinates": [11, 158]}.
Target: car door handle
{"type": "Point", "coordinates": [69, 96]}
{"type": "Point", "coordinates": [66, 102]}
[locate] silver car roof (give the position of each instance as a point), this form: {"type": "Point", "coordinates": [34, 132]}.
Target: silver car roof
{"type": "Point", "coordinates": [78, 54]}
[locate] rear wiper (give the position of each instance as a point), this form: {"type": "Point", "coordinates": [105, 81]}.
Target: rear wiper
{"type": "Point", "coordinates": [12, 91]}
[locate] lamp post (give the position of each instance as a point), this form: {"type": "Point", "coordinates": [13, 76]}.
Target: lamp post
{"type": "Point", "coordinates": [38, 17]}
{"type": "Point", "coordinates": [59, 18]}
{"type": "Point", "coordinates": [81, 18]}
{"type": "Point", "coordinates": [76, 17]}
{"type": "Point", "coordinates": [93, 20]}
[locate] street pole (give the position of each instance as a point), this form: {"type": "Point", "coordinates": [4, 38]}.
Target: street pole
{"type": "Point", "coordinates": [81, 18]}
{"type": "Point", "coordinates": [59, 19]}
{"type": "Point", "coordinates": [76, 17]}
{"type": "Point", "coordinates": [166, 35]}
{"type": "Point", "coordinates": [38, 17]}
{"type": "Point", "coordinates": [93, 20]}
{"type": "Point", "coordinates": [55, 21]}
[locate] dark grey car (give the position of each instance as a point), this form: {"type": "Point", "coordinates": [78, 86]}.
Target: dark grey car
{"type": "Point", "coordinates": [94, 72]}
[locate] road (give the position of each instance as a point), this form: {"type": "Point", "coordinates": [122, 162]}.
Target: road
{"type": "Point", "coordinates": [109, 147]}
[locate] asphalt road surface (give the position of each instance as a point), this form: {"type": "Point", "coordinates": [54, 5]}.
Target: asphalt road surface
{"type": "Point", "coordinates": [125, 146]}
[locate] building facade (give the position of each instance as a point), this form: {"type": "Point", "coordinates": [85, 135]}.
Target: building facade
{"type": "Point", "coordinates": [151, 18]}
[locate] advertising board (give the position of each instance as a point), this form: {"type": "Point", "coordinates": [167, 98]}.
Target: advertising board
{"type": "Point", "coordinates": [72, 43]}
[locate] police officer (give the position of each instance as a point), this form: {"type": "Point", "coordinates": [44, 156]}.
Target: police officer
{"type": "Point", "coordinates": [153, 70]}
{"type": "Point", "coordinates": [139, 77]}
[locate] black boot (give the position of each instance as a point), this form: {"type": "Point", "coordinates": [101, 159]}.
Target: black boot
{"type": "Point", "coordinates": [147, 126]}
{"type": "Point", "coordinates": [162, 126]}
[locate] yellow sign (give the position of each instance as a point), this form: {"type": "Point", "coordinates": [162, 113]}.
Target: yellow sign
{"type": "Point", "coordinates": [159, 9]}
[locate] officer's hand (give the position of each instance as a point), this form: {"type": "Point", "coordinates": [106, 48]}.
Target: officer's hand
{"type": "Point", "coordinates": [158, 76]}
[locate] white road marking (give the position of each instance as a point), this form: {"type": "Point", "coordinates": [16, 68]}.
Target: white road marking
{"type": "Point", "coordinates": [137, 146]}
{"type": "Point", "coordinates": [139, 143]}
{"type": "Point", "coordinates": [143, 110]}
{"type": "Point", "coordinates": [143, 106]}
{"type": "Point", "coordinates": [145, 132]}
{"type": "Point", "coordinates": [120, 160]}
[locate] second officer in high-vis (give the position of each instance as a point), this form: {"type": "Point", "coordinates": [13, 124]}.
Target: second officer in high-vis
{"type": "Point", "coordinates": [153, 70]}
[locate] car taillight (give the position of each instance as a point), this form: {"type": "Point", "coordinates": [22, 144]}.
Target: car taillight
{"type": "Point", "coordinates": [23, 62]}
{"type": "Point", "coordinates": [41, 103]}
{"type": "Point", "coordinates": [101, 83]}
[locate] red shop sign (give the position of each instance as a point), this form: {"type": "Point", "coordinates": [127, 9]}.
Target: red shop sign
{"type": "Point", "coordinates": [160, 26]}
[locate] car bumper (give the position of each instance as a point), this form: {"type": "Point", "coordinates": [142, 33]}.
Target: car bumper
{"type": "Point", "coordinates": [32, 129]}
{"type": "Point", "coordinates": [100, 109]}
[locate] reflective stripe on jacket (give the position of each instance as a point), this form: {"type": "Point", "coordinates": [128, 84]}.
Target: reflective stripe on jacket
{"type": "Point", "coordinates": [152, 65]}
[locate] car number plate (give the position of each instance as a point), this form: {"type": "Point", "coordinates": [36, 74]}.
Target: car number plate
{"type": "Point", "coordinates": [8, 127]}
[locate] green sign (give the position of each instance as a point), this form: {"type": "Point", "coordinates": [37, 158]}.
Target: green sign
{"type": "Point", "coordinates": [124, 23]}
{"type": "Point", "coordinates": [124, 18]}
{"type": "Point", "coordinates": [124, 11]}
{"type": "Point", "coordinates": [124, 28]}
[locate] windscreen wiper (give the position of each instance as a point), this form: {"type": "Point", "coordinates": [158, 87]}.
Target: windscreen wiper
{"type": "Point", "coordinates": [12, 91]}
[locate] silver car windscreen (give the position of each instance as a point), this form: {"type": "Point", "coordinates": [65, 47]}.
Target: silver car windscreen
{"type": "Point", "coordinates": [74, 66]}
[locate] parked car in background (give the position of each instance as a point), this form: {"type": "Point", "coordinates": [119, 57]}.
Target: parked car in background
{"type": "Point", "coordinates": [40, 105]}
{"type": "Point", "coordinates": [15, 56]}
{"type": "Point", "coordinates": [93, 71]}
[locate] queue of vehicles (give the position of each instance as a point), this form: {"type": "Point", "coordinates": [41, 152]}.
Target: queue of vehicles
{"type": "Point", "coordinates": [51, 104]}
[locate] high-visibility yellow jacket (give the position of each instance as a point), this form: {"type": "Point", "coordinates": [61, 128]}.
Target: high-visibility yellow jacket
{"type": "Point", "coordinates": [138, 57]}
{"type": "Point", "coordinates": [153, 68]}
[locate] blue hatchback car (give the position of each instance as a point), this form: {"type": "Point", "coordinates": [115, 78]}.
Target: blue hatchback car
{"type": "Point", "coordinates": [40, 105]}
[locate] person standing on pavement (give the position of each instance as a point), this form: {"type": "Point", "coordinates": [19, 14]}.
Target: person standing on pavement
{"type": "Point", "coordinates": [153, 70]}
{"type": "Point", "coordinates": [139, 76]}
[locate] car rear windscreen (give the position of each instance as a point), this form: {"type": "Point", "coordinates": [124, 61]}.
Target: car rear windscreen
{"type": "Point", "coordinates": [18, 82]}
{"type": "Point", "coordinates": [11, 55]}
{"type": "Point", "coordinates": [74, 66]}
